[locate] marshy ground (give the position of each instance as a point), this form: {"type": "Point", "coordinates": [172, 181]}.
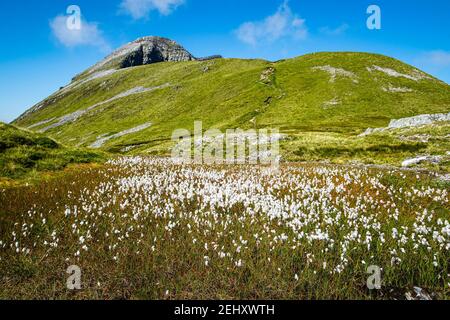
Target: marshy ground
{"type": "Point", "coordinates": [145, 228]}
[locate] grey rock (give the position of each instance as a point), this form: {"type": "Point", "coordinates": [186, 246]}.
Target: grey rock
{"type": "Point", "coordinates": [417, 121]}
{"type": "Point", "coordinates": [209, 58]}
{"type": "Point", "coordinates": [74, 116]}
{"type": "Point", "coordinates": [154, 49]}
{"type": "Point", "coordinates": [444, 177]}
{"type": "Point", "coordinates": [337, 72]}
{"type": "Point", "coordinates": [143, 51]}
{"type": "Point", "coordinates": [415, 75]}
{"type": "Point", "coordinates": [148, 50]}
{"type": "Point", "coordinates": [101, 140]}
{"type": "Point", "coordinates": [421, 159]}
{"type": "Point", "coordinates": [369, 131]}
{"type": "Point", "coordinates": [266, 75]}
{"type": "Point", "coordinates": [424, 138]}
{"type": "Point", "coordinates": [41, 123]}
{"type": "Point", "coordinates": [393, 89]}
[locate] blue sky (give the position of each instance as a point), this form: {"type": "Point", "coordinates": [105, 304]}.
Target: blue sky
{"type": "Point", "coordinates": [37, 55]}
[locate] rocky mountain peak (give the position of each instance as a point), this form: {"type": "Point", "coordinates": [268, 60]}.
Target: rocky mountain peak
{"type": "Point", "coordinates": [143, 51]}
{"type": "Point", "coordinates": [149, 50]}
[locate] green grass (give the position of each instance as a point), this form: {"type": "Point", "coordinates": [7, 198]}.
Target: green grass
{"type": "Point", "coordinates": [145, 234]}
{"type": "Point", "coordinates": [389, 147]}
{"type": "Point", "coordinates": [25, 155]}
{"type": "Point", "coordinates": [231, 93]}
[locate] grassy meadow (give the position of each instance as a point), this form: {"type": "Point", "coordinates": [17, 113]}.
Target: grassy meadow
{"type": "Point", "coordinates": [140, 226]}
{"type": "Point", "coordinates": [146, 228]}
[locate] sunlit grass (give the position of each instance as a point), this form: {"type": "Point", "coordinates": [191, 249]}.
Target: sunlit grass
{"type": "Point", "coordinates": [139, 228]}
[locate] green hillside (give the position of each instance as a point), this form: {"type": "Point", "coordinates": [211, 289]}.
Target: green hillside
{"type": "Point", "coordinates": [24, 154]}
{"type": "Point", "coordinates": [330, 95]}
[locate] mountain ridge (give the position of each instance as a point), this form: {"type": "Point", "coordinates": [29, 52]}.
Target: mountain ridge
{"type": "Point", "coordinates": [144, 51]}
{"type": "Point", "coordinates": [341, 93]}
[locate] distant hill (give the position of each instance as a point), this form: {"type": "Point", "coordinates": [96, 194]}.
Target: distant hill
{"type": "Point", "coordinates": [128, 103]}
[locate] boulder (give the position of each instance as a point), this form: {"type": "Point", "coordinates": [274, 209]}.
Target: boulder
{"type": "Point", "coordinates": [417, 121]}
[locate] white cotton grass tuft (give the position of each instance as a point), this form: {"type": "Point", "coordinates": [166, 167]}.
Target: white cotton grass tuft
{"type": "Point", "coordinates": [331, 219]}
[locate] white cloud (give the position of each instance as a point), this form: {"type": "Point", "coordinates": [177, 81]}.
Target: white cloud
{"type": "Point", "coordinates": [335, 32]}
{"type": "Point", "coordinates": [139, 9]}
{"type": "Point", "coordinates": [438, 58]}
{"type": "Point", "coordinates": [283, 23]}
{"type": "Point", "coordinates": [88, 34]}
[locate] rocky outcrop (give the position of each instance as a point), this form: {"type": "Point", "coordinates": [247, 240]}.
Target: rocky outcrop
{"type": "Point", "coordinates": [74, 116]}
{"type": "Point", "coordinates": [337, 72]}
{"type": "Point", "coordinates": [417, 121]}
{"type": "Point", "coordinates": [393, 89]}
{"type": "Point", "coordinates": [421, 159]}
{"type": "Point", "coordinates": [154, 49]}
{"type": "Point", "coordinates": [209, 58]}
{"type": "Point", "coordinates": [101, 140]}
{"type": "Point", "coordinates": [415, 75]}
{"type": "Point", "coordinates": [144, 51]}
{"type": "Point", "coordinates": [147, 50]}
{"type": "Point", "coordinates": [266, 75]}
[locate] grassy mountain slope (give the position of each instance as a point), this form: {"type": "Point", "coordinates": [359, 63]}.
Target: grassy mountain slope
{"type": "Point", "coordinates": [360, 99]}
{"type": "Point", "coordinates": [24, 154]}
{"type": "Point", "coordinates": [389, 147]}
{"type": "Point", "coordinates": [335, 95]}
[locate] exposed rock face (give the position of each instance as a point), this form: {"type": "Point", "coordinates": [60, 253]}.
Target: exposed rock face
{"type": "Point", "coordinates": [147, 50]}
{"type": "Point", "coordinates": [417, 121]}
{"type": "Point", "coordinates": [74, 116]}
{"type": "Point", "coordinates": [397, 89]}
{"type": "Point", "coordinates": [266, 75]}
{"type": "Point", "coordinates": [104, 138]}
{"type": "Point", "coordinates": [144, 51]}
{"type": "Point", "coordinates": [421, 120]}
{"type": "Point", "coordinates": [418, 160]}
{"type": "Point", "coordinates": [337, 72]}
{"type": "Point", "coordinates": [209, 58]}
{"type": "Point", "coordinates": [416, 75]}
{"type": "Point", "coordinates": [154, 49]}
